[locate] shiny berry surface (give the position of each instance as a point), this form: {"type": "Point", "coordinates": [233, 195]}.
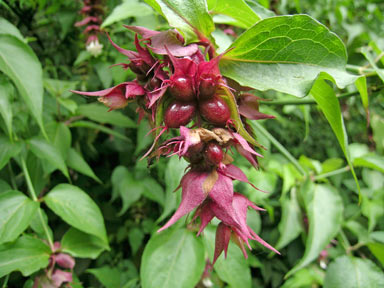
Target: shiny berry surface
{"type": "Point", "coordinates": [179, 114]}
{"type": "Point", "coordinates": [181, 88]}
{"type": "Point", "coordinates": [215, 111]}
{"type": "Point", "coordinates": [207, 88]}
{"type": "Point", "coordinates": [213, 153]}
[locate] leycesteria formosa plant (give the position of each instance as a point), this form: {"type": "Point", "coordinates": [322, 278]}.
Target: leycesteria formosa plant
{"type": "Point", "coordinates": [179, 86]}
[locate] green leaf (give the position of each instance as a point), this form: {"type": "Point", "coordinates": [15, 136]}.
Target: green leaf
{"type": "Point", "coordinates": [326, 98]}
{"type": "Point", "coordinates": [19, 62]}
{"type": "Point", "coordinates": [135, 237]}
{"type": "Point", "coordinates": [361, 85]}
{"type": "Point", "coordinates": [153, 190]}
{"type": "Point", "coordinates": [91, 125]}
{"type": "Point", "coordinates": [286, 54]}
{"type": "Point", "coordinates": [62, 139]}
{"type": "Point", "coordinates": [189, 17]}
{"type": "Point", "coordinates": [8, 28]}
{"type": "Point", "coordinates": [8, 150]}
{"type": "Point", "coordinates": [129, 8]}
{"type": "Point", "coordinates": [37, 225]}
{"type": "Point", "coordinates": [76, 208]}
{"type": "Point", "coordinates": [377, 249]}
{"type": "Point", "coordinates": [44, 150]}
{"type": "Point", "coordinates": [367, 54]}
{"type": "Point", "coordinates": [6, 90]}
{"type": "Point", "coordinates": [325, 214]}
{"type": "Point", "coordinates": [4, 186]}
{"type": "Point", "coordinates": [173, 258]}
{"type": "Point", "coordinates": [237, 9]}
{"type": "Point", "coordinates": [99, 113]}
{"type": "Point", "coordinates": [77, 162]}
{"type": "Point", "coordinates": [351, 272]}
{"type": "Point", "coordinates": [16, 211]}
{"type": "Point", "coordinates": [26, 255]}
{"type": "Point", "coordinates": [233, 270]}
{"type": "Point", "coordinates": [291, 224]}
{"type": "Point", "coordinates": [109, 277]}
{"type": "Point", "coordinates": [372, 161]}
{"type": "Point", "coordinates": [59, 88]}
{"type": "Point", "coordinates": [82, 245]}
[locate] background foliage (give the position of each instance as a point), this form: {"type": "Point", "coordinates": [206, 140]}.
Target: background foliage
{"type": "Point", "coordinates": [70, 170]}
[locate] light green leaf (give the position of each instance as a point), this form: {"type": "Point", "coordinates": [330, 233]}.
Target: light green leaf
{"type": "Point", "coordinates": [326, 98]}
{"type": "Point", "coordinates": [26, 255]}
{"type": "Point", "coordinates": [237, 9]}
{"type": "Point", "coordinates": [109, 277]}
{"type": "Point", "coordinates": [59, 88]}
{"type": "Point", "coordinates": [76, 208]}
{"type": "Point", "coordinates": [286, 54]}
{"type": "Point", "coordinates": [325, 214]}
{"type": "Point", "coordinates": [62, 139]}
{"type": "Point", "coordinates": [8, 150]}
{"type": "Point", "coordinates": [361, 85]}
{"type": "Point", "coordinates": [153, 190]}
{"type": "Point", "coordinates": [129, 8]}
{"type": "Point", "coordinates": [188, 17]}
{"type": "Point", "coordinates": [351, 272]}
{"type": "Point", "coordinates": [372, 161]}
{"type": "Point", "coordinates": [91, 125]}
{"type": "Point", "coordinates": [367, 54]}
{"type": "Point", "coordinates": [99, 113]}
{"type": "Point", "coordinates": [8, 28]}
{"type": "Point", "coordinates": [82, 245]}
{"type": "Point", "coordinates": [234, 270]}
{"type": "Point", "coordinates": [77, 162]}
{"type": "Point", "coordinates": [16, 211]}
{"type": "Point", "coordinates": [44, 150]}
{"type": "Point", "coordinates": [6, 90]}
{"type": "Point", "coordinates": [173, 258]}
{"type": "Point", "coordinates": [37, 225]}
{"type": "Point", "coordinates": [135, 237]}
{"type": "Point", "coordinates": [290, 225]}
{"type": "Point", "coordinates": [19, 62]}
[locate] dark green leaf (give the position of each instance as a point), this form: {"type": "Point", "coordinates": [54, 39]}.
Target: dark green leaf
{"type": "Point", "coordinates": [16, 211]}
{"type": "Point", "coordinates": [286, 54]}
{"type": "Point", "coordinates": [353, 272]}
{"type": "Point", "coordinates": [44, 150]}
{"type": "Point", "coordinates": [188, 17]}
{"type": "Point", "coordinates": [26, 255]}
{"type": "Point", "coordinates": [99, 113]}
{"type": "Point", "coordinates": [82, 245]}
{"type": "Point", "coordinates": [77, 162]}
{"type": "Point", "coordinates": [19, 62]}
{"type": "Point", "coordinates": [173, 258]}
{"type": "Point", "coordinates": [76, 208]}
{"type": "Point", "coordinates": [325, 214]}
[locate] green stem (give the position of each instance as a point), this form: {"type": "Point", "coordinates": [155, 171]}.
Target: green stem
{"type": "Point", "coordinates": [344, 241]}
{"type": "Point", "coordinates": [360, 69]}
{"type": "Point", "coordinates": [34, 198]}
{"type": "Point", "coordinates": [280, 147]}
{"type": "Point", "coordinates": [332, 173]}
{"type": "Point", "coordinates": [6, 281]}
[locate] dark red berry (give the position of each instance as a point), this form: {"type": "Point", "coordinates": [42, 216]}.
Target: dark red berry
{"type": "Point", "coordinates": [179, 114]}
{"type": "Point", "coordinates": [215, 111]}
{"type": "Point", "coordinates": [213, 153]}
{"type": "Point", "coordinates": [182, 89]}
{"type": "Point", "coordinates": [154, 83]}
{"type": "Point", "coordinates": [207, 88]}
{"type": "Point", "coordinates": [139, 67]}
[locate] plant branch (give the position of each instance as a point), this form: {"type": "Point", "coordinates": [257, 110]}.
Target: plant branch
{"type": "Point", "coordinates": [332, 173]}
{"type": "Point", "coordinates": [280, 147]}
{"type": "Point", "coordinates": [34, 198]}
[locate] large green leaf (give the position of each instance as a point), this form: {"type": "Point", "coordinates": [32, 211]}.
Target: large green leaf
{"type": "Point", "coordinates": [325, 213]}
{"type": "Point", "coordinates": [173, 258]}
{"type": "Point", "coordinates": [129, 8]}
{"type": "Point", "coordinates": [291, 224]}
{"type": "Point", "coordinates": [77, 162]}
{"type": "Point", "coordinates": [7, 28]}
{"type": "Point", "coordinates": [45, 150]}
{"type": "Point", "coordinates": [19, 62]}
{"type": "Point", "coordinates": [82, 245]}
{"type": "Point", "coordinates": [351, 272]}
{"type": "Point", "coordinates": [286, 54]}
{"type": "Point", "coordinates": [326, 99]}
{"type": "Point", "coordinates": [188, 17]}
{"type": "Point", "coordinates": [99, 113]}
{"type": "Point", "coordinates": [8, 150]}
{"type": "Point", "coordinates": [76, 208]}
{"type": "Point", "coordinates": [372, 161]}
{"type": "Point", "coordinates": [6, 90]}
{"type": "Point", "coordinates": [234, 270]}
{"type": "Point", "coordinates": [237, 9]}
{"type": "Point", "coordinates": [26, 255]}
{"type": "Point", "coordinates": [16, 211]}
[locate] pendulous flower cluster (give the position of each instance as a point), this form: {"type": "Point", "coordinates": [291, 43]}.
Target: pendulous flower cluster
{"type": "Point", "coordinates": [92, 12]}
{"type": "Point", "coordinates": [180, 85]}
